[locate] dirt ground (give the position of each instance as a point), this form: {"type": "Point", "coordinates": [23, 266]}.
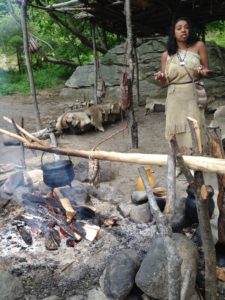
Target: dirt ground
{"type": "Point", "coordinates": [150, 135]}
{"type": "Point", "coordinates": [151, 140]}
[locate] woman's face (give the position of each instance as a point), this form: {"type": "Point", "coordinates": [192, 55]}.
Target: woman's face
{"type": "Point", "coordinates": [181, 31]}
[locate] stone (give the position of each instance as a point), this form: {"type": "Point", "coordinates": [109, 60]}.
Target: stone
{"type": "Point", "coordinates": [118, 277]}
{"type": "Point", "coordinates": [219, 117]}
{"type": "Point", "coordinates": [125, 209]}
{"type": "Point", "coordinates": [96, 294]}
{"type": "Point", "coordinates": [11, 287]}
{"type": "Point", "coordinates": [34, 178]}
{"type": "Point", "coordinates": [149, 51]}
{"type": "Point", "coordinates": [12, 182]}
{"type": "Point", "coordinates": [77, 297]}
{"type": "Point", "coordinates": [139, 197]}
{"type": "Point", "coordinates": [52, 298]}
{"type": "Point", "coordinates": [141, 213]}
{"type": "Point", "coordinates": [154, 105]}
{"type": "Point", "coordinates": [152, 277]}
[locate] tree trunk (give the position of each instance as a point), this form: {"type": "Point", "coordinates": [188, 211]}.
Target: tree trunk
{"type": "Point", "coordinates": [95, 63]}
{"type": "Point", "coordinates": [131, 116]}
{"type": "Point", "coordinates": [206, 236]}
{"type": "Point", "coordinates": [59, 62]}
{"type": "Point", "coordinates": [137, 73]}
{"type": "Point", "coordinates": [28, 62]}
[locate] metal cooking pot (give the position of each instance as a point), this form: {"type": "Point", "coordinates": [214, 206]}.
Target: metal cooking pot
{"type": "Point", "coordinates": [57, 173]}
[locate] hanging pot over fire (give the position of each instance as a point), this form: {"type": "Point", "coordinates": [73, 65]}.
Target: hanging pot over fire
{"type": "Point", "coordinates": [57, 173]}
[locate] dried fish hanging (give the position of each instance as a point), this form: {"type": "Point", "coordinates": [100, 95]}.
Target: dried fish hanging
{"type": "Point", "coordinates": [100, 83]}
{"type": "Point", "coordinates": [33, 44]}
{"type": "Point", "coordinates": [93, 170]}
{"type": "Point", "coordinates": [124, 97]}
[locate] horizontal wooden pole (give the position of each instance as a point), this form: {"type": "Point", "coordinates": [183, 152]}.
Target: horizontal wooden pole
{"type": "Point", "coordinates": [205, 164]}
{"type": "Point", "coordinates": [202, 163]}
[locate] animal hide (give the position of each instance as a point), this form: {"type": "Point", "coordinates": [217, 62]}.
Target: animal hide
{"type": "Point", "coordinates": [80, 118]}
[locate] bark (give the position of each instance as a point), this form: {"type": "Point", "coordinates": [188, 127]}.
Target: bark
{"type": "Point", "coordinates": [28, 62]}
{"type": "Point", "coordinates": [131, 115]}
{"type": "Point", "coordinates": [173, 259]}
{"type": "Point", "coordinates": [102, 38]}
{"type": "Point", "coordinates": [216, 150]}
{"type": "Point", "coordinates": [202, 197]}
{"type": "Point", "coordinates": [180, 159]}
{"type": "Point", "coordinates": [196, 135]}
{"type": "Point", "coordinates": [95, 63]}
{"type": "Point", "coordinates": [159, 217]}
{"type": "Point", "coordinates": [137, 72]}
{"type": "Point", "coordinates": [174, 269]}
{"type": "Point", "coordinates": [207, 164]}
{"type": "Point", "coordinates": [206, 236]}
{"type": "Point", "coordinates": [59, 62]}
{"type": "Point", "coordinates": [82, 38]}
{"type": "Point", "coordinates": [185, 284]}
{"type": "Point", "coordinates": [171, 187]}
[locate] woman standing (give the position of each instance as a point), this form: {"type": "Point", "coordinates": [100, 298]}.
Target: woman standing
{"type": "Point", "coordinates": [184, 62]}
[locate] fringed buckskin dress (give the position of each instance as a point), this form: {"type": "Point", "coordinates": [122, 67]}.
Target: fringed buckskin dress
{"type": "Point", "coordinates": [181, 100]}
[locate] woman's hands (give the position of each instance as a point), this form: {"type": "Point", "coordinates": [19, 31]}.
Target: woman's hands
{"type": "Point", "coordinates": [160, 76]}
{"type": "Point", "coordinates": [202, 71]}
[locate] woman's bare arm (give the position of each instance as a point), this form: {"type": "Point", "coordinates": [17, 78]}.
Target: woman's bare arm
{"type": "Point", "coordinates": [160, 75]}
{"type": "Point", "coordinates": [202, 51]}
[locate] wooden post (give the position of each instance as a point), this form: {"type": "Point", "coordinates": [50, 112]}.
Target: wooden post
{"type": "Point", "coordinates": [202, 197]}
{"type": "Point", "coordinates": [137, 72]}
{"type": "Point", "coordinates": [216, 150]}
{"type": "Point", "coordinates": [206, 237]}
{"type": "Point", "coordinates": [171, 187]}
{"type": "Point", "coordinates": [173, 260]}
{"type": "Point", "coordinates": [28, 62]}
{"type": "Point", "coordinates": [95, 63]}
{"type": "Point", "coordinates": [131, 115]}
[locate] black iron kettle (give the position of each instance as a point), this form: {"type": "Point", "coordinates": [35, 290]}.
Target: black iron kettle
{"type": "Point", "coordinates": [57, 173]}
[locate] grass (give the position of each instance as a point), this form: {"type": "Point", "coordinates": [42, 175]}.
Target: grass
{"type": "Point", "coordinates": [11, 82]}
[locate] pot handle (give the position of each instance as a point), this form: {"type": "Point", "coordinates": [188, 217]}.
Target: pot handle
{"type": "Point", "coordinates": [44, 154]}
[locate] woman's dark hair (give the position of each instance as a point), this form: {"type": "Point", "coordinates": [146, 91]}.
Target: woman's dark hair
{"type": "Point", "coordinates": [172, 43]}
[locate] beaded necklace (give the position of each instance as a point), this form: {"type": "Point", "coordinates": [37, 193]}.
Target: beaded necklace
{"type": "Point", "coordinates": [181, 59]}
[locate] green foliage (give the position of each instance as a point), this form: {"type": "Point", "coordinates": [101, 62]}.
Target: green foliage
{"type": "Point", "coordinates": [216, 32]}
{"type": "Point", "coordinates": [11, 82]}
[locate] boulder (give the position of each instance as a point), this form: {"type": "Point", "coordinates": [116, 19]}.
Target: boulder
{"type": "Point", "coordinates": [149, 51]}
{"type": "Point", "coordinates": [152, 276]}
{"type": "Point", "coordinates": [118, 277]}
{"type": "Point", "coordinates": [11, 287]}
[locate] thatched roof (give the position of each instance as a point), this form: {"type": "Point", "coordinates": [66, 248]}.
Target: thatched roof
{"type": "Point", "coordinates": [153, 16]}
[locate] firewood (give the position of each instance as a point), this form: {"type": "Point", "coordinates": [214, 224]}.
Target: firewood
{"type": "Point", "coordinates": [70, 212]}
{"type": "Point", "coordinates": [87, 231]}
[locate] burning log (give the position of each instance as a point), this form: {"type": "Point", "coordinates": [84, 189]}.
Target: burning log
{"type": "Point", "coordinates": [70, 212]}
{"type": "Point", "coordinates": [62, 225]}
{"type": "Point", "coordinates": [87, 231]}
{"type": "Point", "coordinates": [52, 239]}
{"type": "Point", "coordinates": [24, 232]}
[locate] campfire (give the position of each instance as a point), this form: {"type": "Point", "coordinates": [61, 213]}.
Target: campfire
{"type": "Point", "coordinates": [101, 233]}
